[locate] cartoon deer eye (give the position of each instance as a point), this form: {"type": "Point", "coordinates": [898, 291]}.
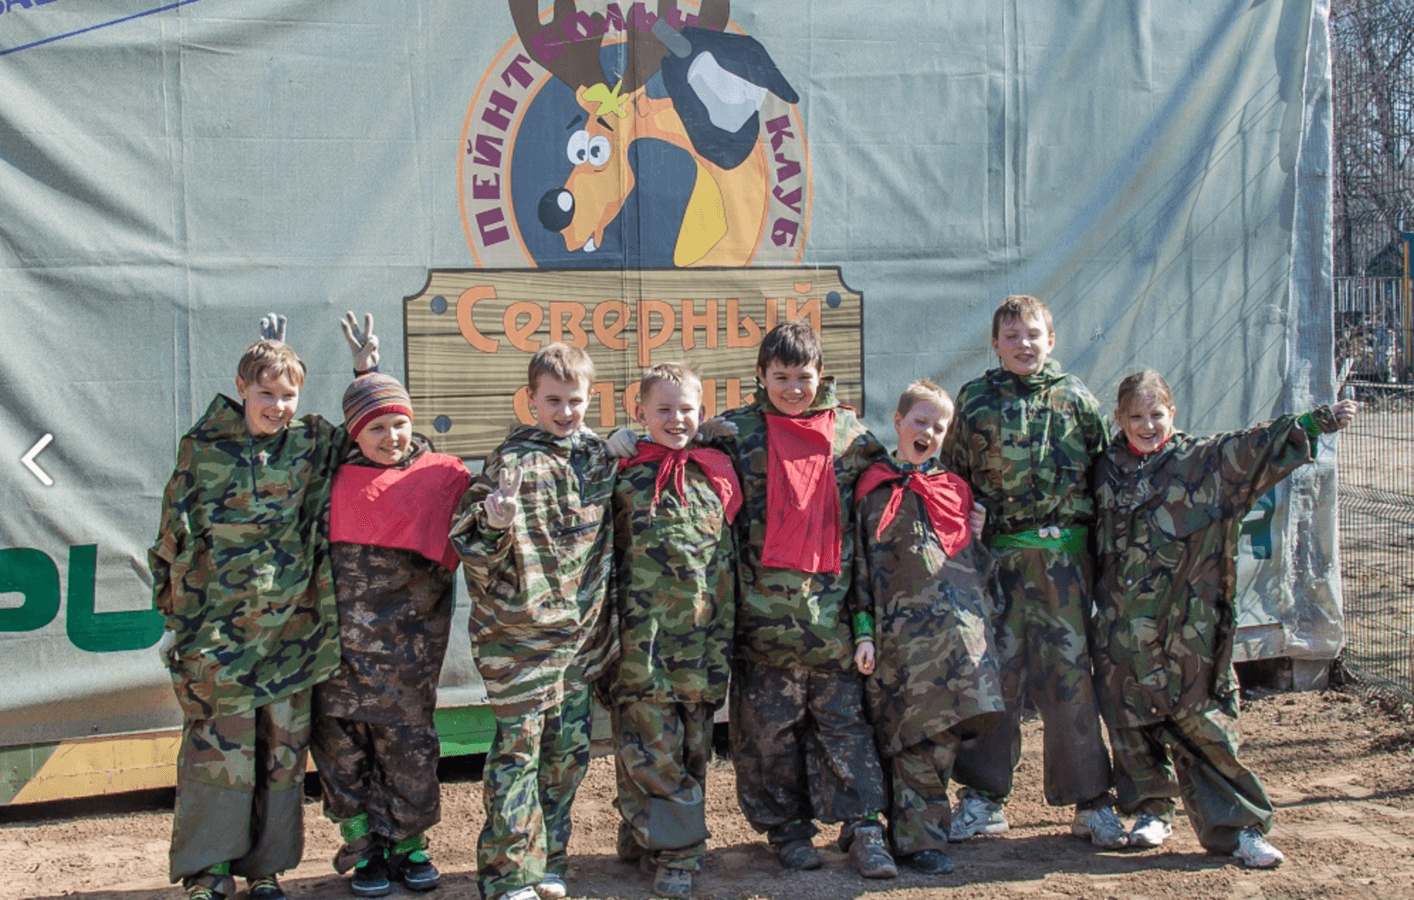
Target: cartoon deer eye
{"type": "Point", "coordinates": [598, 150]}
{"type": "Point", "coordinates": [577, 149]}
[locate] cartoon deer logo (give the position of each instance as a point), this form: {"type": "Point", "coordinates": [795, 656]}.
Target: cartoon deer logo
{"type": "Point", "coordinates": [698, 88]}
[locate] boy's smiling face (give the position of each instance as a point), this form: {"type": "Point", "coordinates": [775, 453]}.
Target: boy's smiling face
{"type": "Point", "coordinates": [920, 431]}
{"type": "Point", "coordinates": [558, 406]}
{"type": "Point", "coordinates": [385, 440]}
{"type": "Point", "coordinates": [791, 389]}
{"type": "Point", "coordinates": [1024, 345]}
{"type": "Point", "coordinates": [270, 403]}
{"type": "Point", "coordinates": [671, 413]}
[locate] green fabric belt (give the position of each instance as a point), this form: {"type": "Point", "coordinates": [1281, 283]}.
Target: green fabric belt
{"type": "Point", "coordinates": [1071, 540]}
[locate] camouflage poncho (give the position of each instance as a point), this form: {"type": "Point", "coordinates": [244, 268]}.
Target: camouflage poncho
{"type": "Point", "coordinates": [241, 564]}
{"type": "Point", "coordinates": [935, 620]}
{"type": "Point", "coordinates": [676, 590]}
{"type": "Point", "coordinates": [1167, 533]}
{"type": "Point", "coordinates": [787, 618]}
{"type": "Point", "coordinates": [1025, 445]}
{"type": "Point", "coordinates": [395, 618]}
{"type": "Point", "coordinates": [538, 616]}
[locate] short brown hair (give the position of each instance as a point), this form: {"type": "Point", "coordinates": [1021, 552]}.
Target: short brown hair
{"type": "Point", "coordinates": [791, 344]}
{"type": "Point", "coordinates": [1147, 383]}
{"type": "Point", "coordinates": [270, 358]}
{"type": "Point", "coordinates": [1019, 307]}
{"type": "Point", "coordinates": [563, 362]}
{"type": "Point", "coordinates": [671, 373]}
{"type": "Point", "coordinates": [923, 389]}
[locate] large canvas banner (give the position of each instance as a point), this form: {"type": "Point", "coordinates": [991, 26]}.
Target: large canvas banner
{"type": "Point", "coordinates": [653, 180]}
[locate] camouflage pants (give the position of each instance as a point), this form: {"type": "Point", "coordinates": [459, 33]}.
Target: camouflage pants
{"type": "Point", "coordinates": [533, 768]}
{"type": "Point", "coordinates": [1195, 754]}
{"type": "Point", "coordinates": [379, 779]}
{"type": "Point", "coordinates": [661, 755]}
{"type": "Point", "coordinates": [240, 782]}
{"type": "Point", "coordinates": [802, 750]}
{"type": "Point", "coordinates": [1043, 648]}
{"type": "Point", "coordinates": [919, 814]}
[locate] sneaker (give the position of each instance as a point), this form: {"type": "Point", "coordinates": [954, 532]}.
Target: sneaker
{"type": "Point", "coordinates": [976, 815]}
{"type": "Point", "coordinates": [672, 884]}
{"type": "Point", "coordinates": [1255, 852]}
{"type": "Point", "coordinates": [1101, 826]}
{"type": "Point", "coordinates": [416, 871]}
{"type": "Point", "coordinates": [526, 892]}
{"type": "Point", "coordinates": [552, 887]}
{"type": "Point", "coordinates": [799, 855]}
{"type": "Point", "coordinates": [930, 862]}
{"type": "Point", "coordinates": [370, 877]}
{"type": "Point", "coordinates": [1149, 831]}
{"type": "Point", "coordinates": [264, 888]}
{"type": "Point", "coordinates": [869, 854]}
{"type": "Point", "coordinates": [201, 892]}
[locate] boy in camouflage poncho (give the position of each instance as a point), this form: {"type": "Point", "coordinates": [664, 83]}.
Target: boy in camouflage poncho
{"type": "Point", "coordinates": [931, 592]}
{"type": "Point", "coordinates": [1024, 438]}
{"type": "Point", "coordinates": [374, 738]}
{"type": "Point", "coordinates": [241, 571]}
{"type": "Point", "coordinates": [1170, 510]}
{"type": "Point", "coordinates": [676, 596]}
{"type": "Point", "coordinates": [537, 553]}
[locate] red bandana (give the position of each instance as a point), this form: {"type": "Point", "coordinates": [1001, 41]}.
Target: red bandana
{"type": "Point", "coordinates": [802, 495]}
{"type": "Point", "coordinates": [946, 498]}
{"type": "Point", "coordinates": [673, 467]}
{"type": "Point", "coordinates": [408, 509]}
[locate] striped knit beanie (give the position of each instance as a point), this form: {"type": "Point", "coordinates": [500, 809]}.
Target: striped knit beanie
{"type": "Point", "coordinates": [373, 395]}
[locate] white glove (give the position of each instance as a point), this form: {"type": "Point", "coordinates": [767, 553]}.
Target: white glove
{"type": "Point", "coordinates": [623, 444]}
{"type": "Point", "coordinates": [165, 645]}
{"type": "Point", "coordinates": [362, 341]}
{"type": "Point", "coordinates": [502, 503]}
{"type": "Point", "coordinates": [272, 327]}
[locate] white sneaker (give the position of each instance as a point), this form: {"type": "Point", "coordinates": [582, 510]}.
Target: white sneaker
{"type": "Point", "coordinates": [1149, 831]}
{"type": "Point", "coordinates": [521, 893]}
{"type": "Point", "coordinates": [1101, 826]}
{"type": "Point", "coordinates": [552, 887]}
{"type": "Point", "coordinates": [976, 815]}
{"type": "Point", "coordinates": [1255, 852]}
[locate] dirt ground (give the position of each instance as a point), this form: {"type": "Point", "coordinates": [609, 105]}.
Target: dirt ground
{"type": "Point", "coordinates": [1341, 772]}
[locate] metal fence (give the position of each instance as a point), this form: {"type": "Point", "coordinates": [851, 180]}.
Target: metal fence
{"type": "Point", "coordinates": [1374, 328]}
{"type": "Point", "coordinates": [1376, 464]}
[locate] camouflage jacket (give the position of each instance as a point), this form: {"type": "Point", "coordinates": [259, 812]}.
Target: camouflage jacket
{"type": "Point", "coordinates": [538, 615]}
{"type": "Point", "coordinates": [395, 618]}
{"type": "Point", "coordinates": [787, 618]}
{"type": "Point", "coordinates": [1026, 446]}
{"type": "Point", "coordinates": [676, 590]}
{"type": "Point", "coordinates": [241, 564]}
{"type": "Point", "coordinates": [1167, 532]}
{"type": "Point", "coordinates": [935, 626]}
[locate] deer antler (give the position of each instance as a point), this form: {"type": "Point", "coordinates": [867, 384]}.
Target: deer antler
{"type": "Point", "coordinates": [574, 63]}
{"type": "Point", "coordinates": [646, 52]}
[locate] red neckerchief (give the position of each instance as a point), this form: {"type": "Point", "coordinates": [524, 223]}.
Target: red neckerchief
{"type": "Point", "coordinates": [408, 508]}
{"type": "Point", "coordinates": [1141, 454]}
{"type": "Point", "coordinates": [802, 496]}
{"type": "Point", "coordinates": [673, 467]}
{"type": "Point", "coordinates": [947, 499]}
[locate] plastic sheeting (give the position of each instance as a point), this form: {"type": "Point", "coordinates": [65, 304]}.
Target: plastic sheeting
{"type": "Point", "coordinates": [170, 172]}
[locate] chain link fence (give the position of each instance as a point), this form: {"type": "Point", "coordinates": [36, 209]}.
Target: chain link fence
{"type": "Point", "coordinates": [1376, 464]}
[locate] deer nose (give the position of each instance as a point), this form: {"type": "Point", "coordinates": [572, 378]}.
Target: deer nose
{"type": "Point", "coordinates": [556, 209]}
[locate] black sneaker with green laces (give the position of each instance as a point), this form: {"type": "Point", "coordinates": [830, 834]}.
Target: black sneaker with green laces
{"type": "Point", "coordinates": [264, 888]}
{"type": "Point", "coordinates": [415, 870]}
{"type": "Point", "coordinates": [370, 877]}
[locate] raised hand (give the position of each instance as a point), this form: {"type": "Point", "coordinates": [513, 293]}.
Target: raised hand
{"type": "Point", "coordinates": [362, 341]}
{"type": "Point", "coordinates": [272, 327]}
{"type": "Point", "coordinates": [502, 503]}
{"type": "Point", "coordinates": [1345, 412]}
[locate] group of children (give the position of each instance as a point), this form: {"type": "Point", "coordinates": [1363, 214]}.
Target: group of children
{"type": "Point", "coordinates": [876, 620]}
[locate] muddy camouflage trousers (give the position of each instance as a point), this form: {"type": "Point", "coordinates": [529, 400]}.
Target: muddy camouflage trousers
{"type": "Point", "coordinates": [379, 780]}
{"type": "Point", "coordinates": [661, 753]}
{"type": "Point", "coordinates": [1044, 650]}
{"type": "Point", "coordinates": [1195, 755]}
{"type": "Point", "coordinates": [240, 785]}
{"type": "Point", "coordinates": [533, 769]}
{"type": "Point", "coordinates": [919, 814]}
{"type": "Point", "coordinates": [802, 750]}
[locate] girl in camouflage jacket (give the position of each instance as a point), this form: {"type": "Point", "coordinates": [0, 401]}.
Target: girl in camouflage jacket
{"type": "Point", "coordinates": [1170, 509]}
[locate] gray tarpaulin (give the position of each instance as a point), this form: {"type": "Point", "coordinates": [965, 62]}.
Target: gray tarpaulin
{"type": "Point", "coordinates": [1159, 172]}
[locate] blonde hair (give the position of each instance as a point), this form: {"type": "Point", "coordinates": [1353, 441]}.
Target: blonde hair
{"type": "Point", "coordinates": [270, 358]}
{"type": "Point", "coordinates": [1018, 308]}
{"type": "Point", "coordinates": [563, 362]}
{"type": "Point", "coordinates": [1147, 383]}
{"type": "Point", "coordinates": [923, 389]}
{"type": "Point", "coordinates": [680, 374]}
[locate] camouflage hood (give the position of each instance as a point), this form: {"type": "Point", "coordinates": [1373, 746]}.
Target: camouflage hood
{"type": "Point", "coordinates": [1008, 384]}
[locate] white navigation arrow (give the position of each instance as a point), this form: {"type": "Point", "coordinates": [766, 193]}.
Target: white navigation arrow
{"type": "Point", "coordinates": [28, 460]}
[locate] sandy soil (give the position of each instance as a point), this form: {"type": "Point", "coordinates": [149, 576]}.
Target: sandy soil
{"type": "Point", "coordinates": [1340, 771]}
